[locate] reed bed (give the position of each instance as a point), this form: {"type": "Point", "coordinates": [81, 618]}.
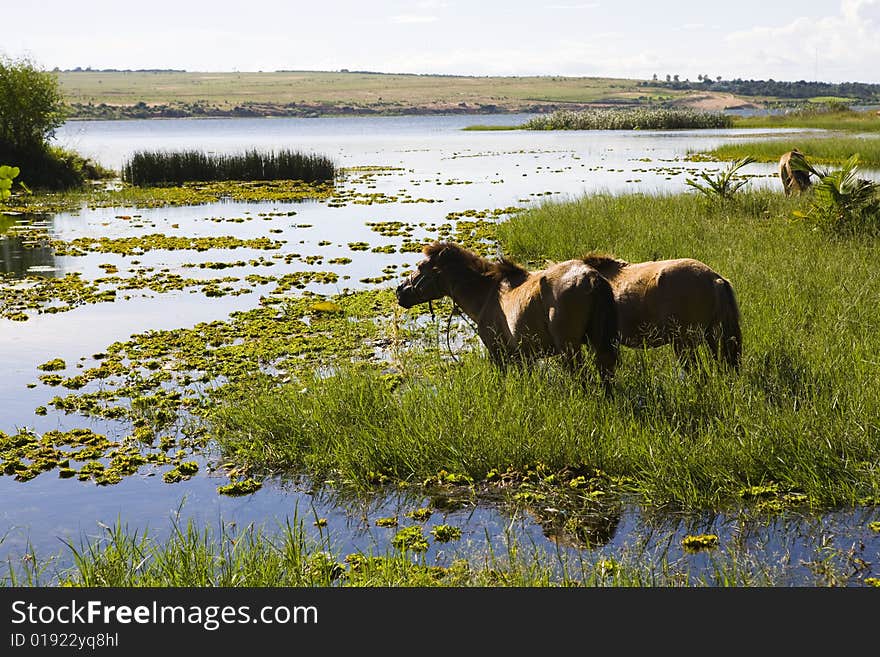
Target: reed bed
{"type": "Point", "coordinates": [177, 167]}
{"type": "Point", "coordinates": [629, 119]}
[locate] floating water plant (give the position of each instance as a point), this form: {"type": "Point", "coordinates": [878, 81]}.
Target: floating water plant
{"type": "Point", "coordinates": [445, 533]}
{"type": "Point", "coordinates": [240, 488]}
{"type": "Point", "coordinates": [386, 522]}
{"type": "Point", "coordinates": [326, 307]}
{"type": "Point", "coordinates": [699, 542]}
{"type": "Point", "coordinates": [410, 539]}
{"type": "Point", "coordinates": [420, 515]}
{"type": "Point", "coordinates": [182, 472]}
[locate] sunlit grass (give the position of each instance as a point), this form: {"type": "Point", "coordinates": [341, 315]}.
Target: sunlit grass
{"type": "Point", "coordinates": [256, 556]}
{"type": "Point", "coordinates": [817, 150]}
{"type": "Point", "coordinates": [844, 119]}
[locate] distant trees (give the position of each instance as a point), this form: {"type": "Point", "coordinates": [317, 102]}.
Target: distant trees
{"type": "Point", "coordinates": [801, 89]}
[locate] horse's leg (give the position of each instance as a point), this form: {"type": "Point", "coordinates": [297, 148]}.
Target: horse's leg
{"type": "Point", "coordinates": [573, 358]}
{"type": "Point", "coordinates": [712, 334]}
{"type": "Point", "coordinates": [605, 358]}
{"type": "Point", "coordinates": [568, 345]}
{"type": "Point", "coordinates": [606, 363]}
{"type": "Point", "coordinates": [497, 354]}
{"type": "Point", "coordinates": [685, 350]}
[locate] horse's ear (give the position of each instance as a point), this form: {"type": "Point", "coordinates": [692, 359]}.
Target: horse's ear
{"type": "Point", "coordinates": [433, 249]}
{"type": "Point", "coordinates": [437, 251]}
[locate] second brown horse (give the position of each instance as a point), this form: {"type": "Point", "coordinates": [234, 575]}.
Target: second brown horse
{"type": "Point", "coordinates": [682, 302]}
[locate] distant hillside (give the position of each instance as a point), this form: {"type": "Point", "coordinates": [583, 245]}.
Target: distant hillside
{"type": "Point", "coordinates": [112, 94]}
{"type": "Point", "coordinates": [147, 94]}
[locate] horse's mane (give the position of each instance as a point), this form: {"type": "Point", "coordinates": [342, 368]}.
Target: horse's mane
{"type": "Point", "coordinates": [604, 263]}
{"type": "Point", "coordinates": [451, 257]}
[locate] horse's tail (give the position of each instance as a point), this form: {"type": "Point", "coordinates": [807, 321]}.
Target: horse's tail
{"type": "Point", "coordinates": [602, 329]}
{"type": "Point", "coordinates": [730, 338]}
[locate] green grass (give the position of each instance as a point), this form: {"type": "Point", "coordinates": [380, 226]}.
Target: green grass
{"type": "Point", "coordinates": [292, 556]}
{"type": "Point", "coordinates": [97, 94]}
{"type": "Point", "coordinates": [839, 120]}
{"type": "Point", "coordinates": [818, 150]}
{"type": "Point", "coordinates": [803, 417]}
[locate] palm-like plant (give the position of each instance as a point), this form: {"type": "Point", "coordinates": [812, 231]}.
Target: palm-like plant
{"type": "Point", "coordinates": [845, 203]}
{"type": "Point", "coordinates": [725, 184]}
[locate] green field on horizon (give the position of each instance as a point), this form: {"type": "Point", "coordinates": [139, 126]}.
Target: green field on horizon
{"type": "Point", "coordinates": [362, 89]}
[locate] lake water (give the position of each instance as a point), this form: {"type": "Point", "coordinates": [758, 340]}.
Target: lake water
{"type": "Point", "coordinates": [423, 159]}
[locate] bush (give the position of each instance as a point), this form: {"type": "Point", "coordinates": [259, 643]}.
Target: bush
{"type": "Point", "coordinates": [31, 108]}
{"type": "Point", "coordinates": [725, 184]}
{"type": "Point", "coordinates": [31, 105]}
{"type": "Point", "coordinates": [52, 167]}
{"type": "Point", "coordinates": [844, 203]}
{"type": "Point", "coordinates": [7, 175]}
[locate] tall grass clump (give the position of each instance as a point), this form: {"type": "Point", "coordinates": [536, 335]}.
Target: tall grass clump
{"type": "Point", "coordinates": [168, 167]}
{"type": "Point", "coordinates": [629, 119]}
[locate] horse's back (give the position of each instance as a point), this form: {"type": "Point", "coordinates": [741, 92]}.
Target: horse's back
{"type": "Point", "coordinates": [657, 298]}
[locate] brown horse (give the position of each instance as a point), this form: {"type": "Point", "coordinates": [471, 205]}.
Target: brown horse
{"type": "Point", "coordinates": [682, 302]}
{"type": "Point", "coordinates": [794, 172]}
{"type": "Point", "coordinates": [521, 315]}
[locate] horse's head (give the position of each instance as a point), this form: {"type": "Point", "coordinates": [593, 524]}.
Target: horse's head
{"type": "Point", "coordinates": [422, 285]}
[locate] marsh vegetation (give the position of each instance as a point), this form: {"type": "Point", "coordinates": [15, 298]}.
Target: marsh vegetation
{"type": "Point", "coordinates": [226, 357]}
{"type": "Point", "coordinates": [792, 425]}
{"type": "Point", "coordinates": [817, 149]}
{"type": "Point", "coordinates": [629, 119]}
{"type": "Point", "coordinates": [176, 167]}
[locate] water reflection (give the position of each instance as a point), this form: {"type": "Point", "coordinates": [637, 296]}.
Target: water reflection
{"type": "Point", "coordinates": [21, 255]}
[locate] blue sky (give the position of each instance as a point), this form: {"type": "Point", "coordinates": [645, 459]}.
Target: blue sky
{"type": "Point", "coordinates": [831, 40]}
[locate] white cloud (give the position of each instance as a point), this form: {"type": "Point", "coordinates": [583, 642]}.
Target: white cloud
{"type": "Point", "coordinates": [407, 19]}
{"type": "Point", "coordinates": [843, 47]}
